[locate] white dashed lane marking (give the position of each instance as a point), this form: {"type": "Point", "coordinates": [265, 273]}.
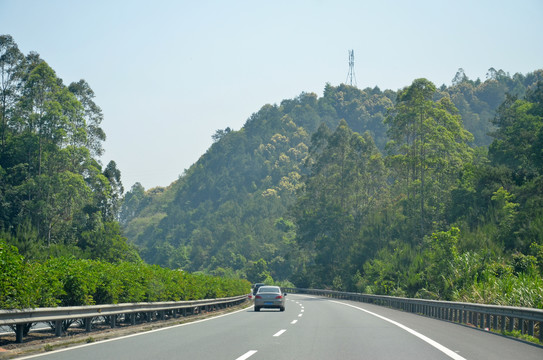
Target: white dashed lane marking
{"type": "Point", "coordinates": [247, 355]}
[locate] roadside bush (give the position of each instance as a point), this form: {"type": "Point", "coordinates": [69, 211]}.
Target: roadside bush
{"type": "Point", "coordinates": [72, 282]}
{"type": "Point", "coordinates": [13, 279]}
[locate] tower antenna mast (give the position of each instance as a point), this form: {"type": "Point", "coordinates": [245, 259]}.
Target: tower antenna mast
{"type": "Point", "coordinates": [351, 77]}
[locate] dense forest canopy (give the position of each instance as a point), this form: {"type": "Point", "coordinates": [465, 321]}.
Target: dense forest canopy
{"type": "Point", "coordinates": [427, 191]}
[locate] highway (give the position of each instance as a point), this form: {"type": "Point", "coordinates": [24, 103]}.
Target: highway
{"type": "Point", "coordinates": [310, 328]}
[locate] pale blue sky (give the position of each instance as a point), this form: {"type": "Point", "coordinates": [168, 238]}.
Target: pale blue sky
{"type": "Point", "coordinates": [167, 74]}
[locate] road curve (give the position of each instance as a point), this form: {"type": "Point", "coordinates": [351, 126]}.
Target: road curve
{"type": "Point", "coordinates": [310, 328]}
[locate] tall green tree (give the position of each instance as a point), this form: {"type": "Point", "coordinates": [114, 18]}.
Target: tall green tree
{"type": "Point", "coordinates": [428, 147]}
{"type": "Point", "coordinates": [346, 178]}
{"type": "Point", "coordinates": [518, 139]}
{"type": "Point", "coordinates": [52, 188]}
{"type": "Point", "coordinates": [11, 60]}
{"type": "Point", "coordinates": [93, 116]}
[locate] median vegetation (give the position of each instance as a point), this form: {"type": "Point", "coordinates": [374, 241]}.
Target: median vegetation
{"type": "Point", "coordinates": [71, 282]}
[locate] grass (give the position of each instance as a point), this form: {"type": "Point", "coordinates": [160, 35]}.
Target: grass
{"type": "Point", "coordinates": [518, 335]}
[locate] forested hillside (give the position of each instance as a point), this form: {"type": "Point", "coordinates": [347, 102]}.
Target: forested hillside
{"type": "Point", "coordinates": [431, 192]}
{"type": "Point", "coordinates": [56, 198]}
{"type": "Point", "coordinates": [60, 238]}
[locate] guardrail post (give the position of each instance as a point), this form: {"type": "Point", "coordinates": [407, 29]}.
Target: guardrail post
{"type": "Point", "coordinates": [88, 324]}
{"type": "Point", "coordinates": [58, 328]}
{"type": "Point", "coordinates": [19, 331]}
{"type": "Point", "coordinates": [113, 321]}
{"type": "Point", "coordinates": [511, 324]}
{"type": "Point", "coordinates": [531, 327]}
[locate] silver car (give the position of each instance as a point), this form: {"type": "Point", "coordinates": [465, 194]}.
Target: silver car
{"type": "Point", "coordinates": [270, 297]}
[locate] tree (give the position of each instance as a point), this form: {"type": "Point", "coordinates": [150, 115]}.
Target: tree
{"type": "Point", "coordinates": [41, 112]}
{"type": "Point", "coordinates": [428, 146]}
{"type": "Point", "coordinates": [132, 203]}
{"type": "Point", "coordinates": [220, 133]}
{"type": "Point", "coordinates": [52, 189]}
{"type": "Point", "coordinates": [11, 60]}
{"type": "Point", "coordinates": [346, 178]}
{"type": "Point", "coordinates": [92, 115]}
{"type": "Point", "coordinates": [460, 77]}
{"type": "Point", "coordinates": [116, 190]}
{"type": "Point", "coordinates": [258, 271]}
{"type": "Point", "coordinates": [518, 140]}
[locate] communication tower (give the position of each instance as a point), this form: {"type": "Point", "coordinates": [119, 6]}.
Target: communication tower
{"type": "Point", "coordinates": [351, 77]}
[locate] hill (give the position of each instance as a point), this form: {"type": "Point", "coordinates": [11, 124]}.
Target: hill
{"type": "Point", "coordinates": [242, 207]}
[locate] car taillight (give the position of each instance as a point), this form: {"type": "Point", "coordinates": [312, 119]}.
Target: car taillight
{"type": "Point", "coordinates": [279, 297]}
{"type": "Point", "coordinates": [258, 297]}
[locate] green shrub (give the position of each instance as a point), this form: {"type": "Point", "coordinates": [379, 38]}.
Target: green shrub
{"type": "Point", "coordinates": [66, 281]}
{"type": "Point", "coordinates": [14, 292]}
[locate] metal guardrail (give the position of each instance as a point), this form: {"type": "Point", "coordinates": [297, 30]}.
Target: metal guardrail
{"type": "Point", "coordinates": [489, 317]}
{"type": "Point", "coordinates": [22, 319]}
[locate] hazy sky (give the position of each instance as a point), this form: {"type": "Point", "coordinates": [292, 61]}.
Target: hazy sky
{"type": "Point", "coordinates": [168, 74]}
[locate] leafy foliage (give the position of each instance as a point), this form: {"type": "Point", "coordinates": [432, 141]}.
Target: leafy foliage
{"type": "Point", "coordinates": [71, 282]}
{"type": "Point", "coordinates": [55, 197]}
{"type": "Point", "coordinates": [365, 190]}
{"type": "Point", "coordinates": [426, 192]}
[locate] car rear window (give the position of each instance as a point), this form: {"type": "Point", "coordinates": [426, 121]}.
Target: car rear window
{"type": "Point", "coordinates": [269, 290]}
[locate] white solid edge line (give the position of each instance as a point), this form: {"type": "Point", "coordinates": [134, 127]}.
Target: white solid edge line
{"type": "Point", "coordinates": [435, 344]}
{"type": "Point", "coordinates": [129, 336]}
{"type": "Point", "coordinates": [247, 355]}
{"type": "Point", "coordinates": [279, 333]}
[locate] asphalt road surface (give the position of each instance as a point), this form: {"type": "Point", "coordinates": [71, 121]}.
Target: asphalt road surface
{"type": "Point", "coordinates": [310, 328]}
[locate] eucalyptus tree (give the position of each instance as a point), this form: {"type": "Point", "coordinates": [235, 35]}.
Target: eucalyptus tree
{"type": "Point", "coordinates": [11, 60]}
{"type": "Point", "coordinates": [347, 176]}
{"type": "Point", "coordinates": [50, 135]}
{"type": "Point", "coordinates": [93, 116]}
{"type": "Point", "coordinates": [428, 147]}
